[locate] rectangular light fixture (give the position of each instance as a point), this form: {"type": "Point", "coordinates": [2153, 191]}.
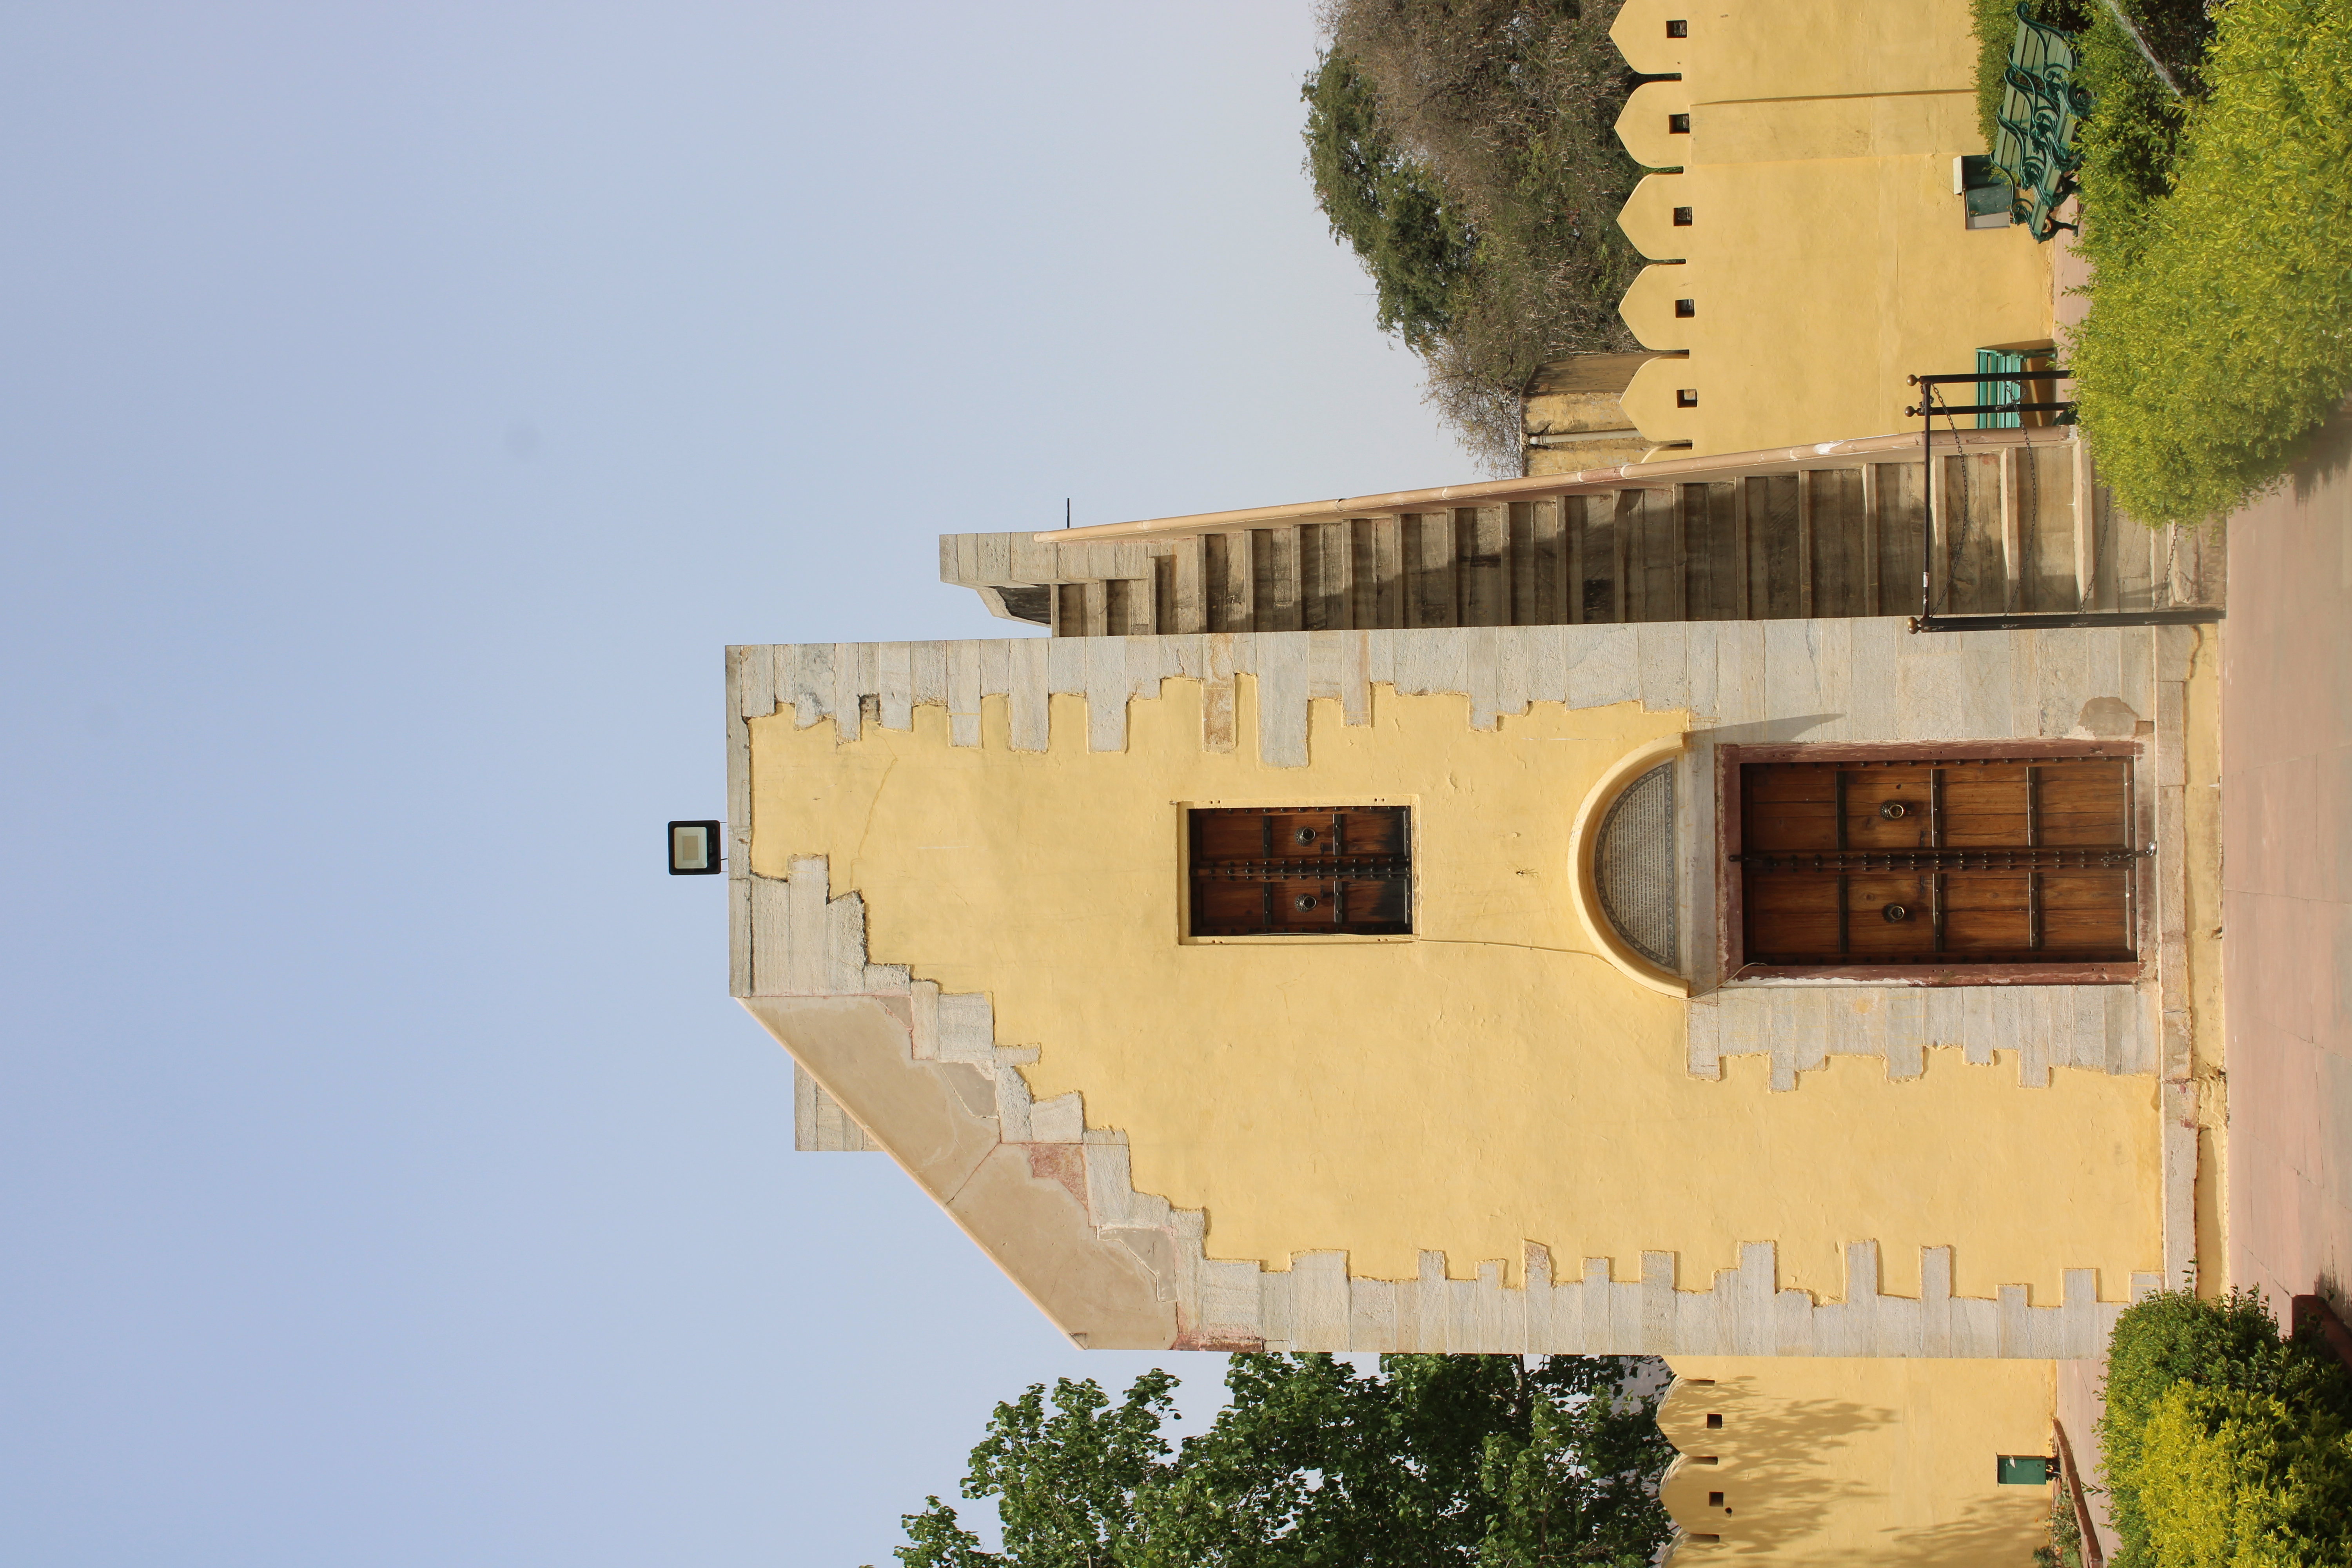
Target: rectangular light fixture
{"type": "Point", "coordinates": [694, 849]}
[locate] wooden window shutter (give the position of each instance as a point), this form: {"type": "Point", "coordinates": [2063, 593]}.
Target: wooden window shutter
{"type": "Point", "coordinates": [1300, 871]}
{"type": "Point", "coordinates": [1958, 861]}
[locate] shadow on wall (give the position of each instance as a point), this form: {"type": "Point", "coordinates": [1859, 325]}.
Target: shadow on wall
{"type": "Point", "coordinates": [1984, 1532]}
{"type": "Point", "coordinates": [1822, 1463]}
{"type": "Point", "coordinates": [1780, 1466]}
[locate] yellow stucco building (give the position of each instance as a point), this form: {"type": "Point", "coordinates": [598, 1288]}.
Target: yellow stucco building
{"type": "Point", "coordinates": [1566, 1070]}
{"type": "Point", "coordinates": [965, 888]}
{"type": "Point", "coordinates": [1840, 1463]}
{"type": "Point", "coordinates": [1808, 250]}
{"type": "Point", "coordinates": [1574, 913]}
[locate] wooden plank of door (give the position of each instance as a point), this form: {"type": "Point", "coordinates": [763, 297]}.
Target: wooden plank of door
{"type": "Point", "coordinates": [1936, 841]}
{"type": "Point", "coordinates": [2033, 839]}
{"type": "Point", "coordinates": [1314, 588]}
{"type": "Point", "coordinates": [1985, 913]}
{"type": "Point", "coordinates": [1844, 939]}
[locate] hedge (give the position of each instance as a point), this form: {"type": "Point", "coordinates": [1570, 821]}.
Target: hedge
{"type": "Point", "coordinates": [2229, 1476]}
{"type": "Point", "coordinates": [2220, 233]}
{"type": "Point", "coordinates": [2223, 1444]}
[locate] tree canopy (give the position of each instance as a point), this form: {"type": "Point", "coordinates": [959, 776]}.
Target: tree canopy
{"type": "Point", "coordinates": [1419, 252]}
{"type": "Point", "coordinates": [1466, 151]}
{"type": "Point", "coordinates": [1437, 1460]}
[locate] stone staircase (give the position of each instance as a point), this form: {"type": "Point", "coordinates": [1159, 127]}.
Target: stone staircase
{"type": "Point", "coordinates": [2023, 527]}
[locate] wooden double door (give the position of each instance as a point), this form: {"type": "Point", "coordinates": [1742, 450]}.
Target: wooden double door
{"type": "Point", "coordinates": [1949, 860]}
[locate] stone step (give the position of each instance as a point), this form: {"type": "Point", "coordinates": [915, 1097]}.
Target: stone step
{"type": "Point", "coordinates": [2021, 529]}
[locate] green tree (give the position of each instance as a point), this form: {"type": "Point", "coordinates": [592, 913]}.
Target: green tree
{"type": "Point", "coordinates": [1384, 204]}
{"type": "Point", "coordinates": [1466, 150]}
{"type": "Point", "coordinates": [1484, 1460]}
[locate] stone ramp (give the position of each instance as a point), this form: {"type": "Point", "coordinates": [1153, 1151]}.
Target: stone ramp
{"type": "Point", "coordinates": [2023, 527]}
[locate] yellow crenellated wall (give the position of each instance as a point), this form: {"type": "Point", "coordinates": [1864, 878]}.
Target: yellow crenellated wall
{"type": "Point", "coordinates": [1824, 1461]}
{"type": "Point", "coordinates": [1485, 1083]}
{"type": "Point", "coordinates": [1827, 256]}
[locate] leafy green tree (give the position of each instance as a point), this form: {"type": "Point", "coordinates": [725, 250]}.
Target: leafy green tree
{"type": "Point", "coordinates": [1466, 151]}
{"type": "Point", "coordinates": [1484, 1460]}
{"type": "Point", "coordinates": [1384, 204]}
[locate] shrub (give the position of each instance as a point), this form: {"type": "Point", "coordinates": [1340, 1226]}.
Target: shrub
{"type": "Point", "coordinates": [2065, 1548]}
{"type": "Point", "coordinates": [2229, 1476]}
{"type": "Point", "coordinates": [2220, 334]}
{"type": "Point", "coordinates": [2200, 1390]}
{"type": "Point", "coordinates": [2129, 144]}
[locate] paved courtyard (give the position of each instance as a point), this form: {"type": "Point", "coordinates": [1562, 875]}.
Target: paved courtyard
{"type": "Point", "coordinates": [2287, 806]}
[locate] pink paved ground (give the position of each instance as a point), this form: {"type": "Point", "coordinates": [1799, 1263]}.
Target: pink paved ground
{"type": "Point", "coordinates": [2068, 272]}
{"type": "Point", "coordinates": [2082, 1401]}
{"type": "Point", "coordinates": [2286, 837]}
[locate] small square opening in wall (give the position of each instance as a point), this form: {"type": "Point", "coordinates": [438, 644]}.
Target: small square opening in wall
{"type": "Point", "coordinates": [1682, 217]}
{"type": "Point", "coordinates": [1714, 1500]}
{"type": "Point", "coordinates": [1677, 124]}
{"type": "Point", "coordinates": [1687, 397]}
{"type": "Point", "coordinates": [1714, 1421]}
{"type": "Point", "coordinates": [1678, 29]}
{"type": "Point", "coordinates": [1686, 309]}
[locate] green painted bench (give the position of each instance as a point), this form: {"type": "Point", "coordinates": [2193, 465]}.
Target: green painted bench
{"type": "Point", "coordinates": [2042, 108]}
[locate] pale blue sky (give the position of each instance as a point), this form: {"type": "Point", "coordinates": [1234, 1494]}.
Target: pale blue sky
{"type": "Point", "coordinates": [404, 404]}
